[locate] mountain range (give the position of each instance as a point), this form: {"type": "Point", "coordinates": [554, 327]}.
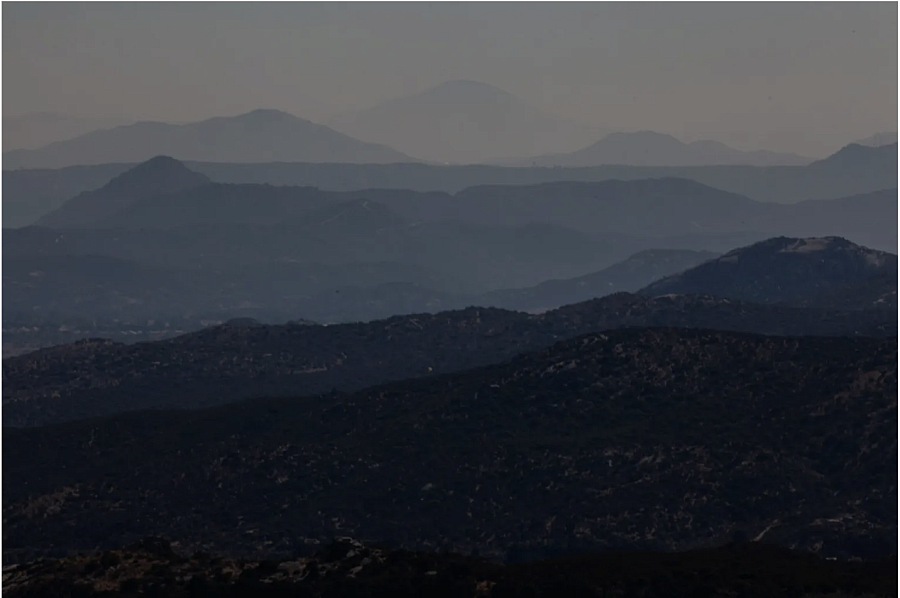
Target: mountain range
{"type": "Point", "coordinates": [463, 122]}
{"type": "Point", "coordinates": [237, 360]}
{"type": "Point", "coordinates": [257, 136]}
{"type": "Point", "coordinates": [654, 438]}
{"type": "Point", "coordinates": [53, 298]}
{"type": "Point", "coordinates": [31, 131]}
{"type": "Point", "coordinates": [651, 207]}
{"type": "Point", "coordinates": [72, 288]}
{"type": "Point", "coordinates": [161, 242]}
{"type": "Point", "coordinates": [30, 194]}
{"type": "Point", "coordinates": [647, 148]}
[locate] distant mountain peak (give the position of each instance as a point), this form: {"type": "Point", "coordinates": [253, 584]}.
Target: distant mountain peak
{"type": "Point", "coordinates": [817, 244]}
{"type": "Point", "coordinates": [862, 155]}
{"type": "Point", "coordinates": [159, 163]}
{"type": "Point", "coordinates": [791, 270]}
{"type": "Point", "coordinates": [466, 86]}
{"type": "Point", "coordinates": [879, 139]}
{"type": "Point", "coordinates": [776, 245]}
{"type": "Point", "coordinates": [265, 115]}
{"type": "Point", "coordinates": [465, 94]}
{"type": "Point", "coordinates": [160, 174]}
{"type": "Point", "coordinates": [262, 135]}
{"type": "Point", "coordinates": [462, 121]}
{"type": "Point", "coordinates": [650, 148]}
{"type": "Point", "coordinates": [644, 134]}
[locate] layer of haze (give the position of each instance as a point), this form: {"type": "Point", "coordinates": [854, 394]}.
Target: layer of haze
{"type": "Point", "coordinates": [784, 76]}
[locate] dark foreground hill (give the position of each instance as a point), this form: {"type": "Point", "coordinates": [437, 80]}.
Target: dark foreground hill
{"type": "Point", "coordinates": [227, 363]}
{"type": "Point", "coordinates": [351, 569]}
{"type": "Point", "coordinates": [825, 272]}
{"type": "Point", "coordinates": [637, 438]}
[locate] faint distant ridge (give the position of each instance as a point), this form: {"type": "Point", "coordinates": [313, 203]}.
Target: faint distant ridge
{"type": "Point", "coordinates": [258, 136]}
{"type": "Point", "coordinates": [879, 139]}
{"type": "Point", "coordinates": [37, 129]}
{"type": "Point", "coordinates": [648, 148]}
{"type": "Point", "coordinates": [463, 121]}
{"type": "Point", "coordinates": [160, 175]}
{"type": "Point", "coordinates": [830, 272]}
{"type": "Point", "coordinates": [861, 157]}
{"type": "Point", "coordinates": [627, 276]}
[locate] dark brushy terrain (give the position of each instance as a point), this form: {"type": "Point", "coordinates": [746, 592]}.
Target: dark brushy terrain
{"type": "Point", "coordinates": [243, 359]}
{"type": "Point", "coordinates": [351, 569]}
{"type": "Point", "coordinates": [638, 438]}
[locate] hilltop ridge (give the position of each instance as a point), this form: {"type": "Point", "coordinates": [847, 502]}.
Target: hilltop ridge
{"type": "Point", "coordinates": [257, 136]}
{"type": "Point", "coordinates": [827, 271]}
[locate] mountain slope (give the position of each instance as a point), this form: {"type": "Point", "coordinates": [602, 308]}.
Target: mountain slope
{"type": "Point", "coordinates": [860, 160]}
{"type": "Point", "coordinates": [258, 136]}
{"type": "Point", "coordinates": [28, 194]}
{"type": "Point", "coordinates": [462, 122]}
{"type": "Point", "coordinates": [64, 290]}
{"type": "Point", "coordinates": [99, 287]}
{"type": "Point", "coordinates": [827, 272]}
{"type": "Point", "coordinates": [648, 208]}
{"type": "Point", "coordinates": [158, 176]}
{"type": "Point", "coordinates": [626, 276]}
{"type": "Point", "coordinates": [639, 438]}
{"type": "Point", "coordinates": [224, 364]}
{"type": "Point", "coordinates": [38, 129]}
{"type": "Point", "coordinates": [31, 194]}
{"type": "Point", "coordinates": [647, 148]}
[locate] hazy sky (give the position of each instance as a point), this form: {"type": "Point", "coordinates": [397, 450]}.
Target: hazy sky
{"type": "Point", "coordinates": [773, 73]}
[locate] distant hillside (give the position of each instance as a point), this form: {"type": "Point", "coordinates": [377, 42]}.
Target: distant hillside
{"type": "Point", "coordinates": [71, 288]}
{"type": "Point", "coordinates": [649, 208]}
{"type": "Point", "coordinates": [29, 194]}
{"type": "Point", "coordinates": [463, 122]}
{"type": "Point", "coordinates": [651, 264]}
{"type": "Point", "coordinates": [224, 364]}
{"type": "Point", "coordinates": [879, 139]}
{"type": "Point", "coordinates": [254, 204]}
{"type": "Point", "coordinates": [654, 438]}
{"type": "Point", "coordinates": [871, 160]}
{"type": "Point", "coordinates": [258, 136]}
{"type": "Point", "coordinates": [826, 272]}
{"type": "Point", "coordinates": [646, 148]}
{"type": "Point", "coordinates": [38, 129]}
{"type": "Point", "coordinates": [158, 176]}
